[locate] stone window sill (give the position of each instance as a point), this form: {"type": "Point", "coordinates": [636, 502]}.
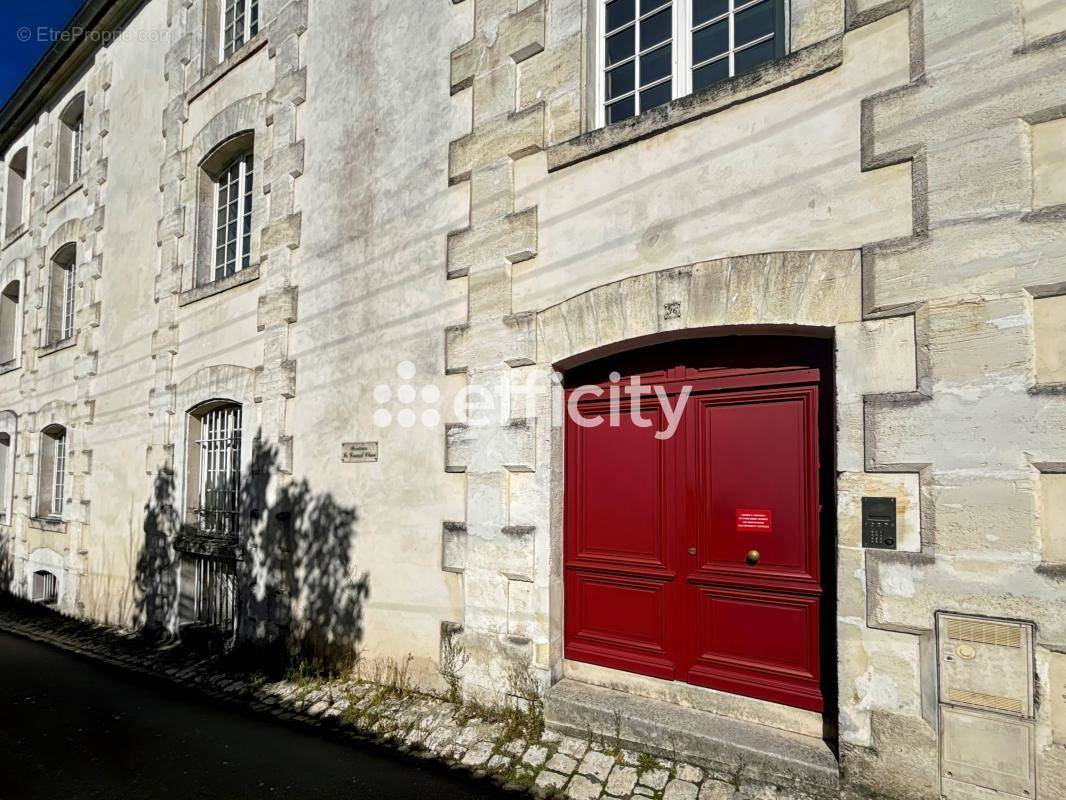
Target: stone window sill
{"type": "Point", "coordinates": [63, 194]}
{"type": "Point", "coordinates": [221, 70]}
{"type": "Point", "coordinates": [15, 235]}
{"type": "Point", "coordinates": [51, 524]}
{"type": "Point", "coordinates": [771, 77]}
{"type": "Point", "coordinates": [55, 347]}
{"type": "Point", "coordinates": [9, 366]}
{"type": "Point", "coordinates": [197, 293]}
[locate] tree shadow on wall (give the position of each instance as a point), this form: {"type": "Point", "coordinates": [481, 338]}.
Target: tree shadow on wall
{"type": "Point", "coordinates": [301, 577]}
{"type": "Point", "coordinates": [299, 595]}
{"type": "Point", "coordinates": [7, 565]}
{"type": "Point", "coordinates": [155, 577]}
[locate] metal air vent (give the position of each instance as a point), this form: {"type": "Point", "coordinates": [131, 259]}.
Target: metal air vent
{"type": "Point", "coordinates": [986, 664]}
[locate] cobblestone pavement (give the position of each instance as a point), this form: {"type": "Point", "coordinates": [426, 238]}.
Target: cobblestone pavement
{"type": "Point", "coordinates": [549, 765]}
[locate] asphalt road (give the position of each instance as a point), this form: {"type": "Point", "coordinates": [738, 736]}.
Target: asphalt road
{"type": "Point", "coordinates": [72, 728]}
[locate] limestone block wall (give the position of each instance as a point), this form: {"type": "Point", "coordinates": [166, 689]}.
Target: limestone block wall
{"type": "Point", "coordinates": [50, 385]}
{"type": "Point", "coordinates": [948, 369]}
{"type": "Point", "coordinates": [259, 89]}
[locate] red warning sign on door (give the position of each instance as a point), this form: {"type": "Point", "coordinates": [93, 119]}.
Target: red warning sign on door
{"type": "Point", "coordinates": [755, 520]}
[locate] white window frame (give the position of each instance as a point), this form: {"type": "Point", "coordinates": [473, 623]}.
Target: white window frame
{"type": "Point", "coordinates": [44, 587]}
{"type": "Point", "coordinates": [76, 134]}
{"type": "Point", "coordinates": [682, 66]}
{"type": "Point", "coordinates": [238, 173]}
{"type": "Point", "coordinates": [233, 36]}
{"type": "Point", "coordinates": [67, 327]}
{"type": "Point", "coordinates": [59, 473]}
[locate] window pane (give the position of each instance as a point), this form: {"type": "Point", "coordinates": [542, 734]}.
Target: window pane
{"type": "Point", "coordinates": [619, 12]}
{"type": "Point", "coordinates": [620, 80]}
{"type": "Point", "coordinates": [703, 10]}
{"type": "Point", "coordinates": [623, 109]}
{"type": "Point", "coordinates": [655, 29]}
{"type": "Point", "coordinates": [747, 60]}
{"type": "Point", "coordinates": [709, 74]}
{"type": "Point", "coordinates": [754, 22]}
{"type": "Point", "coordinates": [651, 5]}
{"type": "Point", "coordinates": [620, 46]}
{"type": "Point", "coordinates": [656, 96]}
{"type": "Point", "coordinates": [655, 65]}
{"type": "Point", "coordinates": [710, 41]}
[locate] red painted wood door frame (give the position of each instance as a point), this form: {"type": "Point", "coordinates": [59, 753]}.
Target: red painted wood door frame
{"type": "Point", "coordinates": [658, 533]}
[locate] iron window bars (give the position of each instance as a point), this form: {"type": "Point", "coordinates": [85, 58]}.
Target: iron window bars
{"type": "Point", "coordinates": [220, 471]}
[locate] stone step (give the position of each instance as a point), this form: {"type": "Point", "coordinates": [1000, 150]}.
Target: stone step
{"type": "Point", "coordinates": [799, 764]}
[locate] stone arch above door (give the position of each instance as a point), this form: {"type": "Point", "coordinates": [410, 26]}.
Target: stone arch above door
{"type": "Point", "coordinates": [806, 292]}
{"type": "Point", "coordinates": [807, 289]}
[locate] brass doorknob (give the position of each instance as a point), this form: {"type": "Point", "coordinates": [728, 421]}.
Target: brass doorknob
{"type": "Point", "coordinates": [752, 557]}
{"type": "Point", "coordinates": [692, 551]}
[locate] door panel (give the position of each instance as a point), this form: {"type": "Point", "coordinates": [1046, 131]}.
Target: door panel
{"type": "Point", "coordinates": [619, 513]}
{"type": "Point", "coordinates": [620, 621]}
{"type": "Point", "coordinates": [659, 574]}
{"type": "Point", "coordinates": [620, 567]}
{"type": "Point", "coordinates": [754, 482]}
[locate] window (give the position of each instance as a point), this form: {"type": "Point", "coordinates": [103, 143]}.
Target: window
{"type": "Point", "coordinates": [44, 587]}
{"type": "Point", "coordinates": [233, 217]}
{"type": "Point", "coordinates": [214, 590]}
{"type": "Point", "coordinates": [16, 191]}
{"type": "Point", "coordinates": [9, 324]}
{"type": "Point", "coordinates": [240, 22]}
{"type": "Point", "coordinates": [5, 458]}
{"type": "Point", "coordinates": [61, 295]}
{"type": "Point", "coordinates": [69, 154]}
{"type": "Point", "coordinates": [653, 51]}
{"type": "Point", "coordinates": [53, 471]}
{"type": "Point", "coordinates": [215, 468]}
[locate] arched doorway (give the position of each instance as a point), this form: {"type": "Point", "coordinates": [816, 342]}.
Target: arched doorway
{"type": "Point", "coordinates": [699, 515]}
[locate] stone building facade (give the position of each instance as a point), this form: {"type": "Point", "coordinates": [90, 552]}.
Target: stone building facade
{"type": "Point", "coordinates": [276, 275]}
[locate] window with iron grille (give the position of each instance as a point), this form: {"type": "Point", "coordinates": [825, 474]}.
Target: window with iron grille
{"type": "Point", "coordinates": [240, 22]}
{"type": "Point", "coordinates": [652, 51]}
{"type": "Point", "coordinates": [215, 591]}
{"type": "Point", "coordinates": [219, 470]}
{"type": "Point", "coordinates": [233, 217]}
{"type": "Point", "coordinates": [44, 587]}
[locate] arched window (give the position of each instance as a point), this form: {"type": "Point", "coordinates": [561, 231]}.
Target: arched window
{"type": "Point", "coordinates": [240, 22]}
{"type": "Point", "coordinates": [61, 294]}
{"type": "Point", "coordinates": [71, 132]}
{"type": "Point", "coordinates": [44, 587]}
{"type": "Point", "coordinates": [226, 200]}
{"type": "Point", "coordinates": [9, 324]}
{"type": "Point", "coordinates": [51, 478]}
{"type": "Point", "coordinates": [16, 191]}
{"type": "Point", "coordinates": [214, 474]}
{"type": "Point", "coordinates": [6, 452]}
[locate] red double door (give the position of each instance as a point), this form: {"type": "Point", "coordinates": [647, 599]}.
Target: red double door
{"type": "Point", "coordinates": [695, 557]}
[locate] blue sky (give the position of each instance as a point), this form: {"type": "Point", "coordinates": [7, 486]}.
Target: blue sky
{"type": "Point", "coordinates": [17, 57]}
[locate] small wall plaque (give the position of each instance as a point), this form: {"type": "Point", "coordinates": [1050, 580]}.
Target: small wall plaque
{"type": "Point", "coordinates": [359, 452]}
